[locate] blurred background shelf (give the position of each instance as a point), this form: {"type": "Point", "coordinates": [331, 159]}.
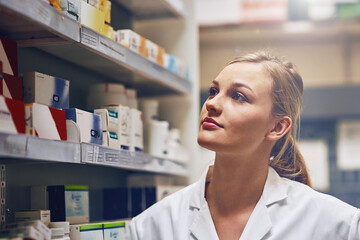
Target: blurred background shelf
{"type": "Point", "coordinates": [145, 10]}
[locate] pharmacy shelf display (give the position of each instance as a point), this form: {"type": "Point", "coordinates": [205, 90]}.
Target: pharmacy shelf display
{"type": "Point", "coordinates": [144, 10]}
{"type": "Point", "coordinates": [15, 148]}
{"type": "Point", "coordinates": [36, 24]}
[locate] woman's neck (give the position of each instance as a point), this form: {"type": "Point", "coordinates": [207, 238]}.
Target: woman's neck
{"type": "Point", "coordinates": [236, 183]}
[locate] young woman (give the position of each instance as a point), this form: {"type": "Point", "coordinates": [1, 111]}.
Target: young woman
{"type": "Point", "coordinates": [258, 187]}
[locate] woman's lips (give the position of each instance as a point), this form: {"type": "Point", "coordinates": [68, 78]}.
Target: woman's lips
{"type": "Point", "coordinates": [209, 123]}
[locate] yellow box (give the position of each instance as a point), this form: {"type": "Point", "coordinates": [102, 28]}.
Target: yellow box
{"type": "Point", "coordinates": [107, 10]}
{"type": "Point", "coordinates": [92, 17]}
{"type": "Point", "coordinates": [109, 31]}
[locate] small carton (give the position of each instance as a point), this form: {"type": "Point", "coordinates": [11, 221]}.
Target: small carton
{"type": "Point", "coordinates": [86, 232]}
{"type": "Point", "coordinates": [12, 115]}
{"type": "Point", "coordinates": [155, 53]}
{"type": "Point", "coordinates": [136, 131]}
{"type": "Point", "coordinates": [31, 215]}
{"type": "Point", "coordinates": [114, 230]}
{"type": "Point", "coordinates": [89, 125]}
{"type": "Point", "coordinates": [109, 120]}
{"type": "Point", "coordinates": [9, 56]}
{"type": "Point", "coordinates": [44, 89]}
{"type": "Point", "coordinates": [71, 8]}
{"type": "Point", "coordinates": [45, 122]}
{"type": "Point", "coordinates": [111, 140]}
{"type": "Point", "coordinates": [123, 131]}
{"type": "Point", "coordinates": [69, 203]}
{"type": "Point", "coordinates": [132, 40]}
{"type": "Point", "coordinates": [11, 87]}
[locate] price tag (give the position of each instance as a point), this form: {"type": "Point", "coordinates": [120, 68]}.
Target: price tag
{"type": "Point", "coordinates": [87, 153]}
{"type": "Point", "coordinates": [89, 38]}
{"type": "Point", "coordinates": [112, 158]}
{"type": "Point", "coordinates": [112, 49]}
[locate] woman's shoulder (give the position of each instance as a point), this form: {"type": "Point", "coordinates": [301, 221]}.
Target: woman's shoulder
{"type": "Point", "coordinates": [303, 196]}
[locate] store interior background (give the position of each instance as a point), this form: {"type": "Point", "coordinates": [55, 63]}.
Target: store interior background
{"type": "Point", "coordinates": [324, 45]}
{"type": "Point", "coordinates": [323, 41]}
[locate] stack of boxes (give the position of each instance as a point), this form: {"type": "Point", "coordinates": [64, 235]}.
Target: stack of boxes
{"type": "Point", "coordinates": [12, 109]}
{"type": "Point", "coordinates": [122, 125]}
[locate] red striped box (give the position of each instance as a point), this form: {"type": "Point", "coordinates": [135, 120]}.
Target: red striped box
{"type": "Point", "coordinates": [45, 122]}
{"type": "Point", "coordinates": [9, 56]}
{"type": "Point", "coordinates": [11, 87]}
{"type": "Point", "coordinates": [12, 114]}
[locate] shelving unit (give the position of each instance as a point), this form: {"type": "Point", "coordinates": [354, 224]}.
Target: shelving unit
{"type": "Point", "coordinates": [66, 49]}
{"type": "Point", "coordinates": [26, 149]}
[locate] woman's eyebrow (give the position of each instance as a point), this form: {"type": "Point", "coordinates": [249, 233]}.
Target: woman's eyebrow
{"type": "Point", "coordinates": [215, 82]}
{"type": "Point", "coordinates": [237, 84]}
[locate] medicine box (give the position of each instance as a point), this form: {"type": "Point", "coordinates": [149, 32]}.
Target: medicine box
{"type": "Point", "coordinates": [30, 215]}
{"type": "Point", "coordinates": [9, 56]}
{"type": "Point", "coordinates": [69, 203]}
{"type": "Point", "coordinates": [45, 89]}
{"type": "Point", "coordinates": [86, 232]}
{"type": "Point", "coordinates": [11, 87]}
{"type": "Point", "coordinates": [124, 125]}
{"type": "Point", "coordinates": [155, 53]}
{"type": "Point", "coordinates": [114, 231]}
{"type": "Point", "coordinates": [45, 122]}
{"type": "Point", "coordinates": [109, 119]}
{"type": "Point", "coordinates": [89, 125]}
{"type": "Point", "coordinates": [71, 8]}
{"type": "Point", "coordinates": [132, 40]}
{"type": "Point", "coordinates": [92, 17]}
{"type": "Point", "coordinates": [136, 131]}
{"type": "Point", "coordinates": [12, 115]}
{"type": "Point", "coordinates": [111, 140]}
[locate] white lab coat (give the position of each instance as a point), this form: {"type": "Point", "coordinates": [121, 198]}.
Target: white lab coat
{"type": "Point", "coordinates": [287, 210]}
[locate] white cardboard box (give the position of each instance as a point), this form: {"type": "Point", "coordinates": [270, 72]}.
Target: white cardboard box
{"type": "Point", "coordinates": [86, 232]}
{"type": "Point", "coordinates": [132, 40]}
{"type": "Point", "coordinates": [47, 90]}
{"type": "Point", "coordinates": [136, 131]}
{"type": "Point", "coordinates": [45, 122]}
{"type": "Point", "coordinates": [42, 215]}
{"type": "Point", "coordinates": [109, 119]}
{"type": "Point", "coordinates": [124, 125]}
{"type": "Point", "coordinates": [89, 125]}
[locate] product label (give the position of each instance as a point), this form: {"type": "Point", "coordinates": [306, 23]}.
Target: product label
{"type": "Point", "coordinates": [89, 38]}
{"type": "Point", "coordinates": [77, 202]}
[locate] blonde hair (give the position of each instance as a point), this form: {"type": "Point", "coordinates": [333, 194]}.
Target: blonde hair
{"type": "Point", "coordinates": [286, 158]}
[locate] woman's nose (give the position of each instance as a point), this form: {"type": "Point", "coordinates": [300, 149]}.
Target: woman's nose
{"type": "Point", "coordinates": [213, 105]}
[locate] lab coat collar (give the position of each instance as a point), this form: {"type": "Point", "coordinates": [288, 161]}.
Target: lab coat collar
{"type": "Point", "coordinates": [259, 223]}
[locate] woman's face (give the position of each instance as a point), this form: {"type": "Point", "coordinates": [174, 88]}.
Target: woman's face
{"type": "Point", "coordinates": [237, 115]}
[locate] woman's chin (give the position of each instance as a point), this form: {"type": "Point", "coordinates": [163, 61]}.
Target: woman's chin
{"type": "Point", "coordinates": [209, 144]}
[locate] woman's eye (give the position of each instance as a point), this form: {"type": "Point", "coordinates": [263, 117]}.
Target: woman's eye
{"type": "Point", "coordinates": [239, 97]}
{"type": "Point", "coordinates": [213, 91]}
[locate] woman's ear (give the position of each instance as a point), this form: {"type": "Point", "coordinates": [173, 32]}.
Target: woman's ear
{"type": "Point", "coordinates": [282, 126]}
